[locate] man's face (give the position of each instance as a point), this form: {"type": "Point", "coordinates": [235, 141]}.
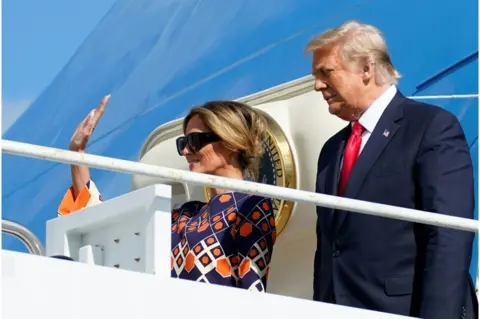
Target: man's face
{"type": "Point", "coordinates": [341, 87]}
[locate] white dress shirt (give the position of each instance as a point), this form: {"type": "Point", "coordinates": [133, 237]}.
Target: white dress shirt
{"type": "Point", "coordinates": [371, 116]}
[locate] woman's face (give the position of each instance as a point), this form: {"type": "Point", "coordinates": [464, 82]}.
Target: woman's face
{"type": "Point", "coordinates": [209, 159]}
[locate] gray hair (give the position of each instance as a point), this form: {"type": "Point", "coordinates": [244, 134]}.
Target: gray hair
{"type": "Point", "coordinates": [359, 43]}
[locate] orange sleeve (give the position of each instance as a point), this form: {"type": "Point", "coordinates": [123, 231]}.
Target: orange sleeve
{"type": "Point", "coordinates": [89, 196]}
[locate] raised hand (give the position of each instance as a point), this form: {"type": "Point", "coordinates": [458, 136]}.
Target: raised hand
{"type": "Point", "coordinates": [85, 129]}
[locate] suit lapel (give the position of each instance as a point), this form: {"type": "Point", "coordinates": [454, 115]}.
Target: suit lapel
{"type": "Point", "coordinates": [383, 133]}
{"type": "Point", "coordinates": [331, 178]}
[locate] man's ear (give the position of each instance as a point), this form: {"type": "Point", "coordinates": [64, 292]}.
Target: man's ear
{"type": "Point", "coordinates": [368, 71]}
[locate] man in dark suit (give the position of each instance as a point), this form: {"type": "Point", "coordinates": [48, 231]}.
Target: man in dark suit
{"type": "Point", "coordinates": [394, 151]}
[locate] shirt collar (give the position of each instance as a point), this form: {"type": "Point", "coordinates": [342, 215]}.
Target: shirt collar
{"type": "Point", "coordinates": [371, 116]}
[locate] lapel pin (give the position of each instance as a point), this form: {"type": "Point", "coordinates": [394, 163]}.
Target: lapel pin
{"type": "Point", "coordinates": [386, 133]}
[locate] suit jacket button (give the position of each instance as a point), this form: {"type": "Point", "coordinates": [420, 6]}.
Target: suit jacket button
{"type": "Point", "coordinates": [335, 254]}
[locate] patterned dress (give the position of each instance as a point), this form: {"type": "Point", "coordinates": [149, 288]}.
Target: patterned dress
{"type": "Point", "coordinates": [227, 241]}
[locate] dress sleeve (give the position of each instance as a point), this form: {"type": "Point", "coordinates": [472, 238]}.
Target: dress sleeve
{"type": "Point", "coordinates": [255, 237]}
{"type": "Point", "coordinates": [88, 196]}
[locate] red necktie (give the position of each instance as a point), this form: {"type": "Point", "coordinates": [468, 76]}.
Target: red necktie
{"type": "Point", "coordinates": [350, 155]}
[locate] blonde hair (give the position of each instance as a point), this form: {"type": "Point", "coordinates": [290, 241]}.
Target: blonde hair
{"type": "Point", "coordinates": [241, 128]}
{"type": "Point", "coordinates": [359, 43]}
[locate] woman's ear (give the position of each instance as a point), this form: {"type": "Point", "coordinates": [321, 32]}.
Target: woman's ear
{"type": "Point", "coordinates": [226, 152]}
{"type": "Point", "coordinates": [234, 155]}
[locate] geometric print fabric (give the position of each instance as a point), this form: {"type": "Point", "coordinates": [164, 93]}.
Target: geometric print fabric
{"type": "Point", "coordinates": [227, 241]}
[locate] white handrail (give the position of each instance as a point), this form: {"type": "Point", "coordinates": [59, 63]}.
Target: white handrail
{"type": "Point", "coordinates": [441, 97]}
{"type": "Point", "coordinates": [112, 164]}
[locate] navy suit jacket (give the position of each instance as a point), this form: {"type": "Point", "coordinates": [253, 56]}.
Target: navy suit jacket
{"type": "Point", "coordinates": [390, 265]}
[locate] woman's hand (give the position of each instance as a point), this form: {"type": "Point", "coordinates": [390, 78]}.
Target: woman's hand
{"type": "Point", "coordinates": [79, 140]}
{"type": "Point", "coordinates": [78, 143]}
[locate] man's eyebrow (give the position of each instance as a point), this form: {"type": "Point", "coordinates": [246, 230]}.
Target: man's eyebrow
{"type": "Point", "coordinates": [322, 67]}
{"type": "Point", "coordinates": [318, 66]}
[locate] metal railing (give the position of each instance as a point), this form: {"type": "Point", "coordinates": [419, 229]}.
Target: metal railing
{"type": "Point", "coordinates": [177, 175]}
{"type": "Point", "coordinates": [24, 235]}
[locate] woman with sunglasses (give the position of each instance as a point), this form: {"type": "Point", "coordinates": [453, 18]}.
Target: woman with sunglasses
{"type": "Point", "coordinates": [229, 240]}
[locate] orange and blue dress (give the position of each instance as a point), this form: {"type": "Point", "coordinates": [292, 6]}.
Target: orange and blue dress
{"type": "Point", "coordinates": [228, 241]}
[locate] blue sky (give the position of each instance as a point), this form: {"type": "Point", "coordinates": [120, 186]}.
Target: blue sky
{"type": "Point", "coordinates": [38, 38]}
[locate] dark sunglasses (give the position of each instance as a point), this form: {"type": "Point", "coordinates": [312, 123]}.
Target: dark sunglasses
{"type": "Point", "coordinates": [195, 141]}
